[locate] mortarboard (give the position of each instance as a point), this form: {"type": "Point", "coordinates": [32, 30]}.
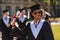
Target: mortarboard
{"type": "Point", "coordinates": [34, 7]}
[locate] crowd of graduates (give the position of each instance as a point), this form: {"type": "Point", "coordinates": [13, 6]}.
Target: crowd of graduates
{"type": "Point", "coordinates": [18, 26]}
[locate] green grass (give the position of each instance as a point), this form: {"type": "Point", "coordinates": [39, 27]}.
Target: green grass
{"type": "Point", "coordinates": [56, 31]}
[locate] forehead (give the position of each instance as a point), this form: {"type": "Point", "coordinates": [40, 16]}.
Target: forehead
{"type": "Point", "coordinates": [6, 12]}
{"type": "Point", "coordinates": [23, 11]}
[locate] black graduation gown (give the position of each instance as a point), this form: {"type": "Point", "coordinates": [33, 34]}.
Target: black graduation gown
{"type": "Point", "coordinates": [18, 33]}
{"type": "Point", "coordinates": [44, 34]}
{"type": "Point", "coordinates": [6, 32]}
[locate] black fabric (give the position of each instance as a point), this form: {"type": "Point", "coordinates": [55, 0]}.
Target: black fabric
{"type": "Point", "coordinates": [6, 32]}
{"type": "Point", "coordinates": [18, 33]}
{"type": "Point", "coordinates": [44, 34]}
{"type": "Point", "coordinates": [35, 7]}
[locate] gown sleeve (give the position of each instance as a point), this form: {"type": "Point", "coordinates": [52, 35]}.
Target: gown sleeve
{"type": "Point", "coordinates": [48, 34]}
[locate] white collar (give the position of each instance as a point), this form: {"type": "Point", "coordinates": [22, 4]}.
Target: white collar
{"type": "Point", "coordinates": [22, 19]}
{"type": "Point", "coordinates": [34, 30]}
{"type": "Point", "coordinates": [36, 23]}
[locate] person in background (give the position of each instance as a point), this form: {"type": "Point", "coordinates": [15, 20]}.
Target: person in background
{"type": "Point", "coordinates": [21, 20]}
{"type": "Point", "coordinates": [45, 15]}
{"type": "Point", "coordinates": [38, 29]}
{"type": "Point", "coordinates": [5, 26]}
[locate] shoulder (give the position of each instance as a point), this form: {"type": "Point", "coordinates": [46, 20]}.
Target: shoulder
{"type": "Point", "coordinates": [46, 23]}
{"type": "Point", "coordinates": [25, 17]}
{"type": "Point", "coordinates": [28, 23]}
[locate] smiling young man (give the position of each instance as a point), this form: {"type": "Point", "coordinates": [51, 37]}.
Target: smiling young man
{"type": "Point", "coordinates": [38, 29]}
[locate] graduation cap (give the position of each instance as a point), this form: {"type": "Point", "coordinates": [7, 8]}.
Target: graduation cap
{"type": "Point", "coordinates": [34, 7]}
{"type": "Point", "coordinates": [5, 11]}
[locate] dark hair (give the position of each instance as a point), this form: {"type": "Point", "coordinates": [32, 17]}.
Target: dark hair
{"type": "Point", "coordinates": [31, 15]}
{"type": "Point", "coordinates": [5, 11]}
{"type": "Point", "coordinates": [41, 13]}
{"type": "Point", "coordinates": [22, 9]}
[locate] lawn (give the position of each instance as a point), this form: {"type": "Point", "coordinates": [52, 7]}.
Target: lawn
{"type": "Point", "coordinates": [56, 31]}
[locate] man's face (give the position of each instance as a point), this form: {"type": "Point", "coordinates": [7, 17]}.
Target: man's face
{"type": "Point", "coordinates": [6, 14]}
{"type": "Point", "coordinates": [23, 12]}
{"type": "Point", "coordinates": [36, 14]}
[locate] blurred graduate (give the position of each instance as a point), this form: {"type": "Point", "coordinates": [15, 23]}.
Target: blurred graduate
{"type": "Point", "coordinates": [38, 29]}
{"type": "Point", "coordinates": [21, 20]}
{"type": "Point", "coordinates": [5, 26]}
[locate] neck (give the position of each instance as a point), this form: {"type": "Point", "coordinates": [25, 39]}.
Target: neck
{"type": "Point", "coordinates": [36, 20]}
{"type": "Point", "coordinates": [21, 15]}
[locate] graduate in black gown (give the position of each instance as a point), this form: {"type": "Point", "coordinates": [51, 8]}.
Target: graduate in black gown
{"type": "Point", "coordinates": [5, 26]}
{"type": "Point", "coordinates": [21, 20]}
{"type": "Point", "coordinates": [38, 29]}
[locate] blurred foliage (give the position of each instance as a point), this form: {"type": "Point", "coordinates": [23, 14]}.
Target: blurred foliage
{"type": "Point", "coordinates": [49, 1]}
{"type": "Point", "coordinates": [41, 0]}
